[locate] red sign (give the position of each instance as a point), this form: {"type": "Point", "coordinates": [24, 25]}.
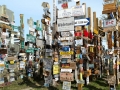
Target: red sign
{"type": "Point", "coordinates": [85, 33]}
{"type": "Point", "coordinates": [64, 5]}
{"type": "Point", "coordinates": [78, 34]}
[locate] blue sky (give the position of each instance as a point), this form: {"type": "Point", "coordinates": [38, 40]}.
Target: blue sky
{"type": "Point", "coordinates": [32, 8]}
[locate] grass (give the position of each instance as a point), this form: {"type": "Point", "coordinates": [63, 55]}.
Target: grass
{"type": "Point", "coordinates": [99, 84]}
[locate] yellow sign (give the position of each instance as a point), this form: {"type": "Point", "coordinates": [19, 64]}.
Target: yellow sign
{"type": "Point", "coordinates": [56, 69]}
{"type": "Point", "coordinates": [56, 59]}
{"type": "Point", "coordinates": [67, 53]}
{"type": "Point", "coordinates": [11, 62]}
{"type": "Point", "coordinates": [96, 31]}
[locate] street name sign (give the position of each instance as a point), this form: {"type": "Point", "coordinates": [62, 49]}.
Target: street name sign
{"type": "Point", "coordinates": [82, 22]}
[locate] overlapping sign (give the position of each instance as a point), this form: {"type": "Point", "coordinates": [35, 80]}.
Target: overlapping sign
{"type": "Point", "coordinates": [74, 11]}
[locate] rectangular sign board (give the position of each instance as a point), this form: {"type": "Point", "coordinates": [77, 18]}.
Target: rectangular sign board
{"type": "Point", "coordinates": [66, 43]}
{"type": "Point", "coordinates": [65, 24]}
{"type": "Point", "coordinates": [65, 56]}
{"type": "Point", "coordinates": [66, 38]}
{"type": "Point", "coordinates": [66, 85]}
{"type": "Point", "coordinates": [109, 23]}
{"type": "Point", "coordinates": [74, 11]}
{"type": "Point", "coordinates": [67, 53]}
{"type": "Point", "coordinates": [65, 34]}
{"type": "Point", "coordinates": [109, 29]}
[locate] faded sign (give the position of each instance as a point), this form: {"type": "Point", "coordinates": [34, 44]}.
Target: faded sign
{"type": "Point", "coordinates": [75, 11]}
{"type": "Point", "coordinates": [109, 23]}
{"type": "Point", "coordinates": [66, 85]}
{"type": "Point", "coordinates": [109, 29]}
{"type": "Point", "coordinates": [78, 42]}
{"type": "Point", "coordinates": [65, 24]}
{"type": "Point", "coordinates": [66, 76]}
{"type": "Point", "coordinates": [108, 1]}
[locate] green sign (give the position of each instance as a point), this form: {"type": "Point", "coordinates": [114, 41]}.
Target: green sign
{"type": "Point", "coordinates": [38, 28]}
{"type": "Point", "coordinates": [14, 27]}
{"type": "Point", "coordinates": [35, 48]}
{"type": "Point", "coordinates": [22, 44]}
{"type": "Point", "coordinates": [35, 23]}
{"type": "Point", "coordinates": [29, 51]}
{"type": "Point", "coordinates": [31, 38]}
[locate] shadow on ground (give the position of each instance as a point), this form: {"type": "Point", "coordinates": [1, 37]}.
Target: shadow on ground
{"type": "Point", "coordinates": [35, 84]}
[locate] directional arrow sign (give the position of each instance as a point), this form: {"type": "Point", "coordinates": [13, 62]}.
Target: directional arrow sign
{"type": "Point", "coordinates": [82, 22]}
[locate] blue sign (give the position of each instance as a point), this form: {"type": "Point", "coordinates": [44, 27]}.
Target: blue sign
{"type": "Point", "coordinates": [82, 22]}
{"type": "Point", "coordinates": [65, 48]}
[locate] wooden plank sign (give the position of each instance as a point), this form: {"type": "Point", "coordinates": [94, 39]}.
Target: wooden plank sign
{"type": "Point", "coordinates": [3, 51]}
{"type": "Point", "coordinates": [66, 77]}
{"type": "Point", "coordinates": [109, 29]}
{"type": "Point", "coordinates": [109, 6]}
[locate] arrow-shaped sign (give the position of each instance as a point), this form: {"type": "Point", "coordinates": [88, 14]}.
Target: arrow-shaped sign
{"type": "Point", "coordinates": [82, 22]}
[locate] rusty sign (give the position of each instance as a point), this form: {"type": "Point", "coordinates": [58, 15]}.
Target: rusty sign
{"type": "Point", "coordinates": [66, 77]}
{"type": "Point", "coordinates": [109, 29]}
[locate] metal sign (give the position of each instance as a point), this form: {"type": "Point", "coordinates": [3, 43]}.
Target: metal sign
{"type": "Point", "coordinates": [81, 81]}
{"type": "Point", "coordinates": [109, 23]}
{"type": "Point", "coordinates": [66, 70]}
{"type": "Point", "coordinates": [67, 53]}
{"type": "Point", "coordinates": [82, 22]}
{"type": "Point", "coordinates": [65, 48]}
{"type": "Point", "coordinates": [74, 11]}
{"type": "Point", "coordinates": [62, 1]}
{"type": "Point", "coordinates": [65, 34]}
{"type": "Point", "coordinates": [66, 43]}
{"type": "Point", "coordinates": [65, 56]}
{"type": "Point", "coordinates": [54, 11]}
{"type": "Point", "coordinates": [66, 38]}
{"type": "Point", "coordinates": [65, 24]}
{"type": "Point", "coordinates": [66, 85]}
{"type": "Point", "coordinates": [108, 1]}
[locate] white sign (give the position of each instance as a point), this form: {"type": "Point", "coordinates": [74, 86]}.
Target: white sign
{"type": "Point", "coordinates": [65, 38]}
{"type": "Point", "coordinates": [74, 11]}
{"type": "Point", "coordinates": [66, 85]}
{"type": "Point", "coordinates": [78, 42]}
{"type": "Point", "coordinates": [66, 70]}
{"type": "Point", "coordinates": [76, 0]}
{"type": "Point", "coordinates": [108, 1]}
{"type": "Point", "coordinates": [65, 24]}
{"type": "Point", "coordinates": [109, 23]}
{"type": "Point", "coordinates": [54, 11]}
{"type": "Point", "coordinates": [81, 22]}
{"type": "Point", "coordinates": [4, 22]}
{"type": "Point", "coordinates": [65, 34]}
{"type": "Point", "coordinates": [66, 43]}
{"type": "Point", "coordinates": [32, 29]}
{"type": "Point", "coordinates": [81, 81]}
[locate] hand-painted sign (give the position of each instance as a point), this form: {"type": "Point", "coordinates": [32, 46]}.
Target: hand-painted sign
{"type": "Point", "coordinates": [65, 48]}
{"type": "Point", "coordinates": [67, 53]}
{"type": "Point", "coordinates": [56, 69]}
{"type": "Point", "coordinates": [82, 22]}
{"type": "Point", "coordinates": [66, 77]}
{"type": "Point", "coordinates": [109, 23]}
{"type": "Point", "coordinates": [65, 24]}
